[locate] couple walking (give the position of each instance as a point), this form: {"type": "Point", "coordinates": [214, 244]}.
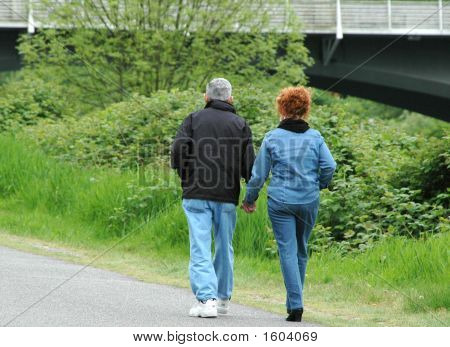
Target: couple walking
{"type": "Point", "coordinates": [211, 152]}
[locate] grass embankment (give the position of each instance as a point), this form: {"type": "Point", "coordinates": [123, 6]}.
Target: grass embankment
{"type": "Point", "coordinates": [47, 203]}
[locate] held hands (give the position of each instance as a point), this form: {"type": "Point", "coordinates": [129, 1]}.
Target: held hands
{"type": "Point", "coordinates": [248, 208]}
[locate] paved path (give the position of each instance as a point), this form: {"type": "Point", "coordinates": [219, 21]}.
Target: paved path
{"type": "Point", "coordinates": [100, 298]}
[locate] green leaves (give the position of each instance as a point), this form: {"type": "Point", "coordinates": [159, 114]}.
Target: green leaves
{"type": "Point", "coordinates": [429, 172]}
{"type": "Point", "coordinates": [126, 47]}
{"type": "Point", "coordinates": [125, 135]}
{"type": "Point", "coordinates": [24, 101]}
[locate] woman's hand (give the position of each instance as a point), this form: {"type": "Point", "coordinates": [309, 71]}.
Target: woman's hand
{"type": "Point", "coordinates": [248, 208]}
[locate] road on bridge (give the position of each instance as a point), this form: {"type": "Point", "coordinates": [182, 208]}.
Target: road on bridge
{"type": "Point", "coordinates": [101, 298]}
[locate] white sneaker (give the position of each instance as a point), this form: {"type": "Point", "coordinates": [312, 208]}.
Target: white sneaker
{"type": "Point", "coordinates": [223, 306]}
{"type": "Point", "coordinates": [204, 310]}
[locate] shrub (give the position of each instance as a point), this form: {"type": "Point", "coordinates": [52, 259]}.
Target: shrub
{"type": "Point", "coordinates": [24, 101]}
{"type": "Point", "coordinates": [125, 135]}
{"type": "Point", "coordinates": [139, 131]}
{"type": "Point", "coordinates": [428, 171]}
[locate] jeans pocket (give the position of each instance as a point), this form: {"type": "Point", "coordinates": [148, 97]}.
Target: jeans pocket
{"type": "Point", "coordinates": [194, 205]}
{"type": "Point", "coordinates": [228, 207]}
{"type": "Point", "coordinates": [273, 205]}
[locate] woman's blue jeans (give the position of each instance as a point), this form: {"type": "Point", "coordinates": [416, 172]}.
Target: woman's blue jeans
{"type": "Point", "coordinates": [292, 225]}
{"type": "Point", "coordinates": [210, 278]}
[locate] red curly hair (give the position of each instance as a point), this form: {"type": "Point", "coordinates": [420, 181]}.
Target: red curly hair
{"type": "Point", "coordinates": [294, 102]}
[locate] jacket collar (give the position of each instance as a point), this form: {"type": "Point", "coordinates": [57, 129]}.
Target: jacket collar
{"type": "Point", "coordinates": [295, 125]}
{"type": "Point", "coordinates": [220, 105]}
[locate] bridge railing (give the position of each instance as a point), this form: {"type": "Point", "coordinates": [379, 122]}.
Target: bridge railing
{"type": "Point", "coordinates": [424, 17]}
{"type": "Point", "coordinates": [430, 17]}
{"type": "Point", "coordinates": [394, 16]}
{"type": "Point", "coordinates": [11, 13]}
{"type": "Point", "coordinates": [316, 16]}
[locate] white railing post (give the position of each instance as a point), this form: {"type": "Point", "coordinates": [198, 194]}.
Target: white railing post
{"type": "Point", "coordinates": [441, 19]}
{"type": "Point", "coordinates": [31, 27]}
{"type": "Point", "coordinates": [389, 9]}
{"type": "Point", "coordinates": [286, 14]}
{"type": "Point", "coordinates": [339, 33]}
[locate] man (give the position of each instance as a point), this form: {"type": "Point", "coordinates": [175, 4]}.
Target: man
{"type": "Point", "coordinates": [211, 151]}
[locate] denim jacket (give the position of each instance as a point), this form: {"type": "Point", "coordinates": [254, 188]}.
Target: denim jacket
{"type": "Point", "coordinates": [301, 165]}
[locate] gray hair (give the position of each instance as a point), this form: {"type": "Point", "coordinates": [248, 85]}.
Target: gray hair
{"type": "Point", "coordinates": [218, 89]}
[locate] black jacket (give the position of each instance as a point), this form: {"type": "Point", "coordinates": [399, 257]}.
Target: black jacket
{"type": "Point", "coordinates": [211, 151]}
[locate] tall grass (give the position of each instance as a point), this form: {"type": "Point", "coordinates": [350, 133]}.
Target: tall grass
{"type": "Point", "coordinates": [112, 201]}
{"type": "Point", "coordinates": [417, 268]}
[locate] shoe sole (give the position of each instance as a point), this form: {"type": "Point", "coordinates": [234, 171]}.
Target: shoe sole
{"type": "Point", "coordinates": [222, 310]}
{"type": "Point", "coordinates": [208, 315]}
{"type": "Point", "coordinates": [204, 315]}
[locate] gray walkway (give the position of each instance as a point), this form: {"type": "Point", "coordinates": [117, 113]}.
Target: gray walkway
{"type": "Point", "coordinates": [100, 298]}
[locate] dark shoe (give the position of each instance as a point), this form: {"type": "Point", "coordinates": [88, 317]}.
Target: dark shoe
{"type": "Point", "coordinates": [295, 315]}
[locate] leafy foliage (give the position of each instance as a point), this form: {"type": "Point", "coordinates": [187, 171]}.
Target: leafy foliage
{"type": "Point", "coordinates": [430, 172]}
{"type": "Point", "coordinates": [126, 134]}
{"type": "Point", "coordinates": [23, 101]}
{"type": "Point", "coordinates": [140, 47]}
{"type": "Point", "coordinates": [139, 131]}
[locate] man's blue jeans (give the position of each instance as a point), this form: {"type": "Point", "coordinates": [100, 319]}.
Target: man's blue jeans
{"type": "Point", "coordinates": [210, 279]}
{"type": "Point", "coordinates": [292, 225]}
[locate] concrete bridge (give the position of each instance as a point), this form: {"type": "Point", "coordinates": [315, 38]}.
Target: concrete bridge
{"type": "Point", "coordinates": [392, 51]}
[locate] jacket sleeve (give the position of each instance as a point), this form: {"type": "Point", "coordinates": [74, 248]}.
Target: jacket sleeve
{"type": "Point", "coordinates": [327, 166]}
{"type": "Point", "coordinates": [260, 172]}
{"type": "Point", "coordinates": [248, 154]}
{"type": "Point", "coordinates": [181, 146]}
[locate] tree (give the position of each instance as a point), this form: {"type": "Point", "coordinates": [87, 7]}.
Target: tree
{"type": "Point", "coordinates": [111, 48]}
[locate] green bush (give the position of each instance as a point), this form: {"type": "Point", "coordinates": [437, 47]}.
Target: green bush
{"type": "Point", "coordinates": [429, 171]}
{"type": "Point", "coordinates": [367, 200]}
{"type": "Point", "coordinates": [139, 131]}
{"type": "Point", "coordinates": [24, 101]}
{"type": "Point", "coordinates": [126, 135]}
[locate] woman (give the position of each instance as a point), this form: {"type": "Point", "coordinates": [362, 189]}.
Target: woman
{"type": "Point", "coordinates": [301, 165]}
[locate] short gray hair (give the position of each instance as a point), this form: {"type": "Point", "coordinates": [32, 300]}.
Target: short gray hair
{"type": "Point", "coordinates": [218, 89]}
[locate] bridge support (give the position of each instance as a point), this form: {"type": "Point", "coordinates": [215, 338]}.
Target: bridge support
{"type": "Point", "coordinates": [31, 26]}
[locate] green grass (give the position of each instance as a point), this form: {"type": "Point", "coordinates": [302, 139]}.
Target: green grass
{"type": "Point", "coordinates": [418, 267]}
{"type": "Point", "coordinates": [109, 199]}
{"type": "Point", "coordinates": [399, 281]}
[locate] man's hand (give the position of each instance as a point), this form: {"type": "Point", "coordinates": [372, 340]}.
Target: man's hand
{"type": "Point", "coordinates": [248, 208]}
